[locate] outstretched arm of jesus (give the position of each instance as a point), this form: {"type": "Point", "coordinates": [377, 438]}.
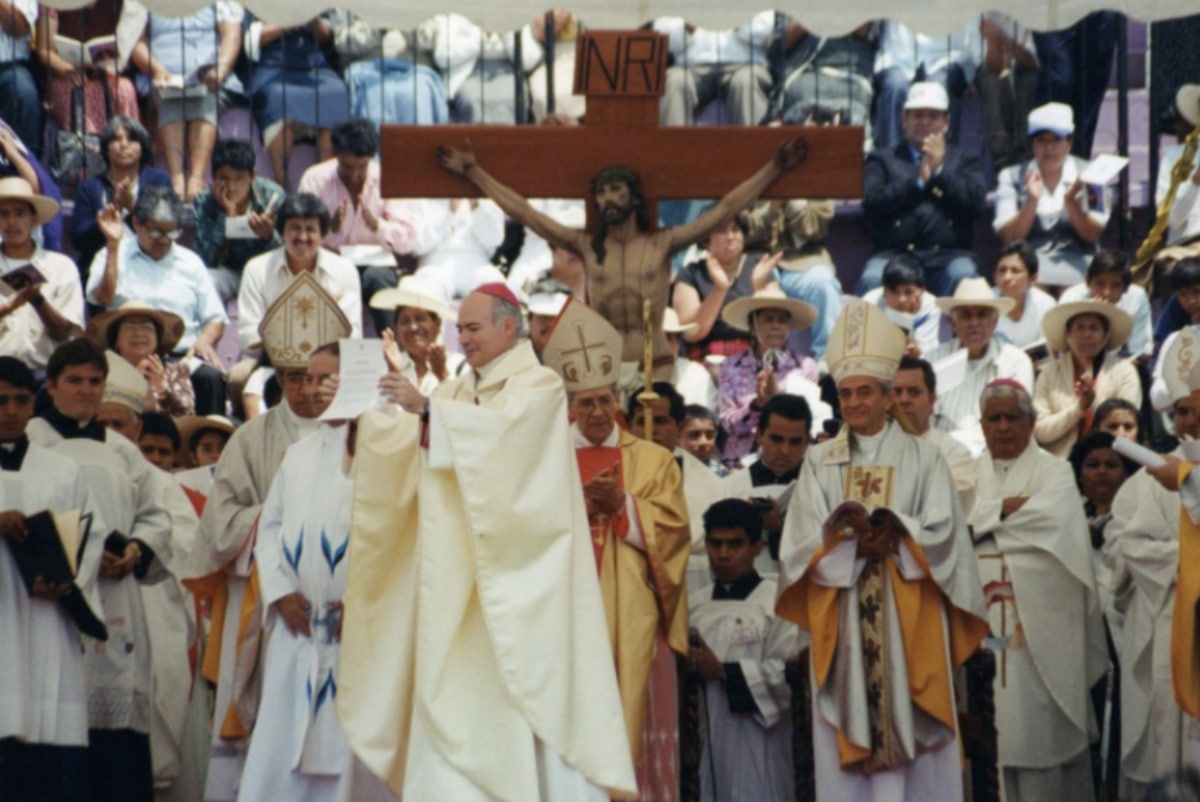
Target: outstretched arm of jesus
{"type": "Point", "coordinates": [463, 163]}
{"type": "Point", "coordinates": [789, 154]}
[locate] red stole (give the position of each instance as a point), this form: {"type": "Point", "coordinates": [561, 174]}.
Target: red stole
{"type": "Point", "coordinates": [592, 461]}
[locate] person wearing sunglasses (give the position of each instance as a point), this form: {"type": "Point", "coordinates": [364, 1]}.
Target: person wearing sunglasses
{"type": "Point", "coordinates": [151, 267]}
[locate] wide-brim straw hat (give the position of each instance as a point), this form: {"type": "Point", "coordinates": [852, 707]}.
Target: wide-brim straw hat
{"type": "Point", "coordinates": [189, 425]}
{"type": "Point", "coordinates": [17, 188]}
{"type": "Point", "coordinates": [170, 325]}
{"type": "Point", "coordinates": [414, 292]}
{"type": "Point", "coordinates": [671, 324]}
{"type": "Point", "coordinates": [1187, 101]}
{"type": "Point", "coordinates": [737, 312]}
{"type": "Point", "coordinates": [976, 292]}
{"type": "Point", "coordinates": [1054, 323]}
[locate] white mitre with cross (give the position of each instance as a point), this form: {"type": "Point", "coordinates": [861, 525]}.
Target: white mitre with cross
{"type": "Point", "coordinates": [1181, 365]}
{"type": "Point", "coordinates": [125, 384]}
{"type": "Point", "coordinates": [583, 348]}
{"type": "Point", "coordinates": [301, 320]}
{"type": "Point", "coordinates": [864, 342]}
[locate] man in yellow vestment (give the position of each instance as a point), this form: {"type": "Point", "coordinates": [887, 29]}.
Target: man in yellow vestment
{"type": "Point", "coordinates": [474, 664]}
{"type": "Point", "coordinates": [640, 539]}
{"type": "Point", "coordinates": [876, 564]}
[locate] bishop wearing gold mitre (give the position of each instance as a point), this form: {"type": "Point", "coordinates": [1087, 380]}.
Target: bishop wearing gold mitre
{"type": "Point", "coordinates": [877, 565]}
{"type": "Point", "coordinates": [640, 537]}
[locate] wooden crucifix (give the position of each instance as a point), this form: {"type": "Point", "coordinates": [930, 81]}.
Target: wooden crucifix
{"type": "Point", "coordinates": [622, 73]}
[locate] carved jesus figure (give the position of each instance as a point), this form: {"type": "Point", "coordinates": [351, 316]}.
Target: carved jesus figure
{"type": "Point", "coordinates": [625, 260]}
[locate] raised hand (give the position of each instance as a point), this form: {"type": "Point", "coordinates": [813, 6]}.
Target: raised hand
{"type": "Point", "coordinates": [791, 153]}
{"type": "Point", "coordinates": [457, 161]}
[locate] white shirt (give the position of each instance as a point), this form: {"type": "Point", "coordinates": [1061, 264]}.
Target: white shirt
{"type": "Point", "coordinates": [1028, 330]}
{"type": "Point", "coordinates": [267, 275]}
{"type": "Point", "coordinates": [958, 407]}
{"type": "Point", "coordinates": [22, 332]}
{"type": "Point", "coordinates": [1184, 218]}
{"type": "Point", "coordinates": [927, 323]}
{"type": "Point", "coordinates": [14, 48]}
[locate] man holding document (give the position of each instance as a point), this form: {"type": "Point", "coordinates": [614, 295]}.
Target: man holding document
{"type": "Point", "coordinates": [43, 714]}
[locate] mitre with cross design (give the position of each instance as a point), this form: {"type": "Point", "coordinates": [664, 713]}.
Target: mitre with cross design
{"type": "Point", "coordinates": [583, 348]}
{"type": "Point", "coordinates": [864, 342]}
{"type": "Point", "coordinates": [1180, 365]}
{"type": "Point", "coordinates": [300, 321]}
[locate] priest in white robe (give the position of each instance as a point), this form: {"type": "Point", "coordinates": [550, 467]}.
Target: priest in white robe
{"type": "Point", "coordinates": [220, 569]}
{"type": "Point", "coordinates": [511, 694]}
{"type": "Point", "coordinates": [742, 654]}
{"type": "Point", "coordinates": [137, 546]}
{"type": "Point", "coordinates": [43, 695]}
{"type": "Point", "coordinates": [1035, 559]}
{"type": "Point", "coordinates": [876, 565]}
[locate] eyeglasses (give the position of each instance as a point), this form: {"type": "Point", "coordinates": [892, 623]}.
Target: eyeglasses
{"type": "Point", "coordinates": [135, 327]}
{"type": "Point", "coordinates": [157, 233]}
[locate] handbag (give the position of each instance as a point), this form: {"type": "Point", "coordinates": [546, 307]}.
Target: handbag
{"type": "Point", "coordinates": [77, 154]}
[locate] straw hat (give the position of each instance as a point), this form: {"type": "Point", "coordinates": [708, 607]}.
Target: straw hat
{"type": "Point", "coordinates": [102, 328]}
{"type": "Point", "coordinates": [124, 385]}
{"type": "Point", "coordinates": [583, 348]}
{"type": "Point", "coordinates": [737, 312]}
{"type": "Point", "coordinates": [415, 292]}
{"type": "Point", "coordinates": [976, 292]}
{"type": "Point", "coordinates": [671, 324]}
{"type": "Point", "coordinates": [16, 188]}
{"type": "Point", "coordinates": [190, 425]}
{"type": "Point", "coordinates": [1054, 323]}
{"type": "Point", "coordinates": [864, 343]}
{"type": "Point", "coordinates": [1187, 101]}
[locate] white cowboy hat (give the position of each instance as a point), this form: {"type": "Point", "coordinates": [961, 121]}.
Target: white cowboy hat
{"type": "Point", "coordinates": [416, 293]}
{"type": "Point", "coordinates": [17, 188]}
{"type": "Point", "coordinates": [101, 328]}
{"type": "Point", "coordinates": [1187, 101]}
{"type": "Point", "coordinates": [737, 313]}
{"type": "Point", "coordinates": [1054, 323]}
{"type": "Point", "coordinates": [671, 324]}
{"type": "Point", "coordinates": [975, 292]}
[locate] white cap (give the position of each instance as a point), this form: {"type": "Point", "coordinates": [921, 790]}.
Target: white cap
{"type": "Point", "coordinates": [547, 304]}
{"type": "Point", "coordinates": [1057, 118]}
{"type": "Point", "coordinates": [927, 95]}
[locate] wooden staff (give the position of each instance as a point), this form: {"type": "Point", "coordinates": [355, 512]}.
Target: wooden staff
{"type": "Point", "coordinates": [1181, 171]}
{"type": "Point", "coordinates": [647, 396]}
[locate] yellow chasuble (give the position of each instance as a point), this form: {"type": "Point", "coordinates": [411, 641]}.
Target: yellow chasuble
{"type": "Point", "coordinates": [471, 599]}
{"type": "Point", "coordinates": [644, 592]}
{"type": "Point", "coordinates": [1185, 650]}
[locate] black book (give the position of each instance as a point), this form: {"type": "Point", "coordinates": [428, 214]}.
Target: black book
{"type": "Point", "coordinates": [51, 549]}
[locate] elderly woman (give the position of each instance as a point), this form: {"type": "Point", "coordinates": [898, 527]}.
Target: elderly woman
{"type": "Point", "coordinates": [1084, 374]}
{"type": "Point", "coordinates": [144, 337]}
{"type": "Point", "coordinates": [1016, 272]}
{"type": "Point", "coordinates": [421, 310]}
{"type": "Point", "coordinates": [747, 380]}
{"type": "Point", "coordinates": [127, 153]}
{"type": "Point", "coordinates": [1045, 202]}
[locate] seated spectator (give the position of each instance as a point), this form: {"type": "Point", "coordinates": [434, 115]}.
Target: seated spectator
{"type": "Point", "coordinates": [125, 147]}
{"type": "Point", "coordinates": [822, 80]}
{"type": "Point", "coordinates": [159, 440]}
{"type": "Point", "coordinates": [805, 271]}
{"type": "Point", "coordinates": [1007, 85]}
{"type": "Point", "coordinates": [707, 65]}
{"type": "Point", "coordinates": [1183, 221]}
{"type": "Point", "coordinates": [150, 267]}
{"type": "Point", "coordinates": [385, 85]}
{"type": "Point", "coordinates": [20, 105]}
{"type": "Point", "coordinates": [904, 58]}
{"type": "Point", "coordinates": [294, 94]}
{"type": "Point", "coordinates": [479, 67]}
{"type": "Point", "coordinates": [198, 51]}
{"type": "Point", "coordinates": [741, 650]}
{"type": "Point", "coordinates": [974, 313]}
{"type": "Point", "coordinates": [38, 310]}
{"type": "Point", "coordinates": [17, 160]}
{"type": "Point", "coordinates": [83, 99]}
{"type": "Point", "coordinates": [1084, 335]}
{"type": "Point", "coordinates": [923, 196]}
{"type": "Point", "coordinates": [348, 184]}
{"type": "Point", "coordinates": [1045, 203]}
{"type": "Point", "coordinates": [1016, 275]}
{"type": "Point", "coordinates": [235, 216]}
{"type": "Point", "coordinates": [202, 438]}
{"type": "Point", "coordinates": [746, 381]}
{"type": "Point", "coordinates": [1117, 417]}
{"type": "Point", "coordinates": [419, 310]}
{"type": "Point", "coordinates": [145, 337]}
{"type": "Point", "coordinates": [698, 437]}
{"type": "Point", "coordinates": [1109, 280]}
{"type": "Point", "coordinates": [906, 302]}
{"type": "Point", "coordinates": [691, 378]}
{"type": "Point", "coordinates": [703, 289]}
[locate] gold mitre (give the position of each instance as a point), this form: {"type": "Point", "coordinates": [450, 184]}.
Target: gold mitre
{"type": "Point", "coordinates": [583, 348]}
{"type": "Point", "coordinates": [864, 343]}
{"type": "Point", "coordinates": [1179, 363]}
{"type": "Point", "coordinates": [301, 320]}
{"type": "Point", "coordinates": [124, 385]}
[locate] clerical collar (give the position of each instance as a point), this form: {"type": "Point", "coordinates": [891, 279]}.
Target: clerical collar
{"type": "Point", "coordinates": [761, 475]}
{"type": "Point", "coordinates": [304, 426]}
{"type": "Point", "coordinates": [867, 445]}
{"type": "Point", "coordinates": [737, 590]}
{"type": "Point", "coordinates": [70, 428]}
{"type": "Point", "coordinates": [614, 437]}
{"type": "Point", "coordinates": [12, 453]}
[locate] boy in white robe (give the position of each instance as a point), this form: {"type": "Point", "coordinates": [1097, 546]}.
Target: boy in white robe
{"type": "Point", "coordinates": [742, 650]}
{"type": "Point", "coordinates": [43, 696]}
